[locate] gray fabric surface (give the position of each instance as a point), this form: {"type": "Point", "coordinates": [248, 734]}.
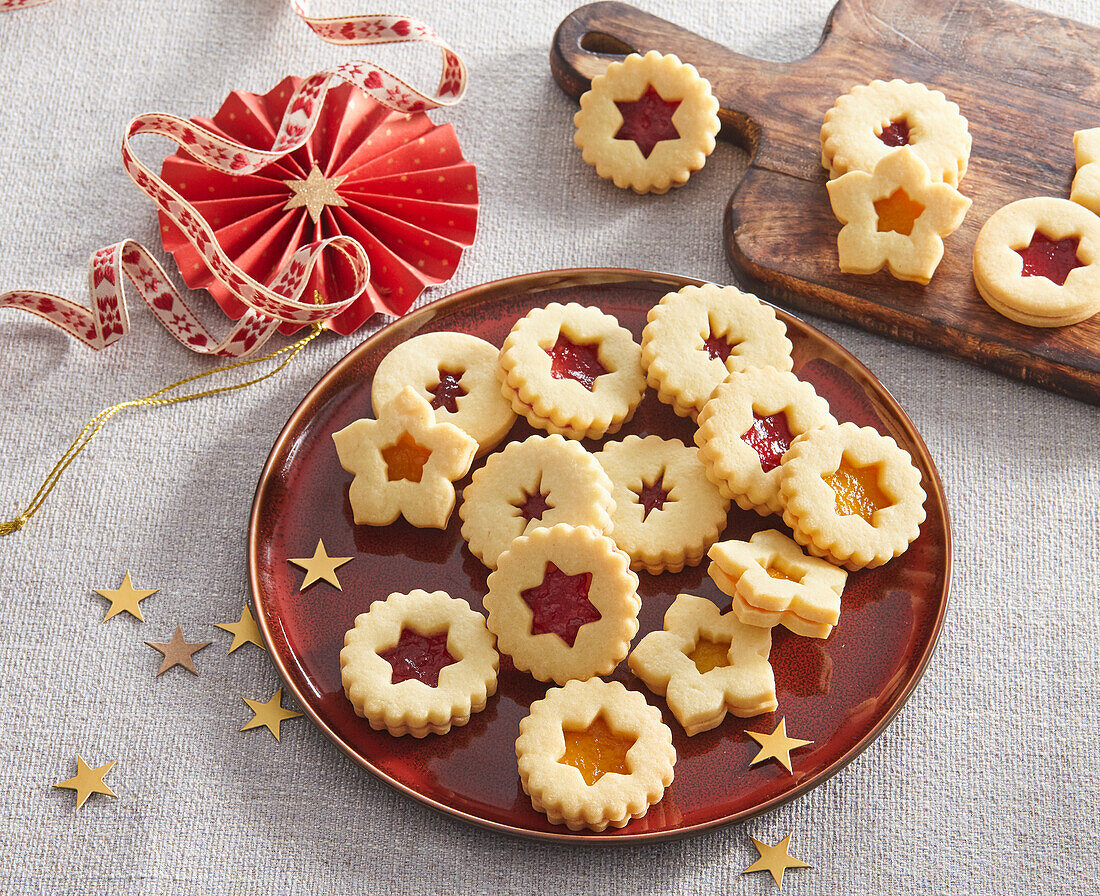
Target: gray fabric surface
{"type": "Point", "coordinates": [987, 782]}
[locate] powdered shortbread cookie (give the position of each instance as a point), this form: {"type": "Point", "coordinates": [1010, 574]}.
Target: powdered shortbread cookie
{"type": "Point", "coordinates": [572, 367]}
{"type": "Point", "coordinates": [748, 425]}
{"type": "Point", "coordinates": [419, 663]}
{"type": "Point", "coordinates": [563, 603]}
{"type": "Point", "coordinates": [405, 463]}
{"type": "Point", "coordinates": [540, 482]}
{"type": "Point", "coordinates": [1035, 262]}
{"type": "Point", "coordinates": [667, 513]}
{"type": "Point", "coordinates": [874, 119]}
{"type": "Point", "coordinates": [593, 754]}
{"type": "Point", "coordinates": [696, 337]}
{"type": "Point", "coordinates": [1086, 182]}
{"type": "Point", "coordinates": [851, 495]}
{"type": "Point", "coordinates": [706, 664]}
{"type": "Point", "coordinates": [647, 123]}
{"type": "Point", "coordinates": [457, 374]}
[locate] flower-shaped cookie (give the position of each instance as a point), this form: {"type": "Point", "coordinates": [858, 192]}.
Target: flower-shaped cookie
{"type": "Point", "coordinates": [539, 482]}
{"type": "Point", "coordinates": [696, 337]}
{"type": "Point", "coordinates": [773, 583]}
{"type": "Point", "coordinates": [1086, 182]}
{"type": "Point", "coordinates": [705, 663]}
{"type": "Point", "coordinates": [667, 513]}
{"type": "Point", "coordinates": [405, 463]}
{"type": "Point", "coordinates": [457, 374]}
{"type": "Point", "coordinates": [563, 603]}
{"type": "Point", "coordinates": [593, 754]}
{"type": "Point", "coordinates": [572, 370]}
{"type": "Point", "coordinates": [896, 217]}
{"type": "Point", "coordinates": [419, 663]}
{"type": "Point", "coordinates": [647, 123]}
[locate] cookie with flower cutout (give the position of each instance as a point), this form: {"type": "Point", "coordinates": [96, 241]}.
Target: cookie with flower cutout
{"type": "Point", "coordinates": [667, 512]}
{"type": "Point", "coordinates": [1036, 262]}
{"type": "Point", "coordinates": [706, 663]}
{"type": "Point", "coordinates": [696, 337]}
{"type": "Point", "coordinates": [873, 120]}
{"type": "Point", "coordinates": [851, 495]}
{"type": "Point", "coordinates": [896, 216]}
{"type": "Point", "coordinates": [536, 483]}
{"type": "Point", "coordinates": [592, 754]}
{"type": "Point", "coordinates": [647, 123]}
{"type": "Point", "coordinates": [747, 427]}
{"type": "Point", "coordinates": [405, 463]}
{"type": "Point", "coordinates": [419, 663]}
{"type": "Point", "coordinates": [456, 373]}
{"type": "Point", "coordinates": [1086, 182]}
{"type": "Point", "coordinates": [563, 603]}
{"type": "Point", "coordinates": [772, 582]}
{"type": "Point", "coordinates": [572, 370]}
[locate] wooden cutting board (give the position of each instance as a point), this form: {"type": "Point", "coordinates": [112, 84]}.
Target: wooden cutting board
{"type": "Point", "coordinates": [1026, 80]}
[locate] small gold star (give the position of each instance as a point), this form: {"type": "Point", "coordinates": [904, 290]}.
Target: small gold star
{"type": "Point", "coordinates": [88, 781]}
{"type": "Point", "coordinates": [774, 859]}
{"type": "Point", "coordinates": [270, 714]}
{"type": "Point", "coordinates": [177, 652]}
{"type": "Point", "coordinates": [125, 597]}
{"type": "Point", "coordinates": [315, 192]}
{"type": "Point", "coordinates": [776, 745]}
{"type": "Point", "coordinates": [320, 566]}
{"type": "Point", "coordinates": [244, 632]}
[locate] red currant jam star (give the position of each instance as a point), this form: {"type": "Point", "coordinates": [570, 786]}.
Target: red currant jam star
{"type": "Point", "coordinates": [718, 347]}
{"type": "Point", "coordinates": [418, 656]}
{"type": "Point", "coordinates": [560, 604]}
{"type": "Point", "coordinates": [769, 437]}
{"type": "Point", "coordinates": [647, 120]}
{"type": "Point", "coordinates": [447, 392]}
{"type": "Point", "coordinates": [652, 495]}
{"type": "Point", "coordinates": [1053, 259]}
{"type": "Point", "coordinates": [534, 504]}
{"type": "Point", "coordinates": [579, 362]}
{"type": "Point", "coordinates": [896, 133]}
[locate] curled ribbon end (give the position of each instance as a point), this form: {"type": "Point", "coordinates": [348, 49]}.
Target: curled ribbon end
{"type": "Point", "coordinates": [13, 525]}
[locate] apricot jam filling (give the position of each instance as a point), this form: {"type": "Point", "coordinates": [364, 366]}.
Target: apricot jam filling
{"type": "Point", "coordinates": [596, 751]}
{"type": "Point", "coordinates": [653, 495]}
{"type": "Point", "coordinates": [575, 361]}
{"type": "Point", "coordinates": [405, 459]}
{"type": "Point", "coordinates": [560, 604]}
{"type": "Point", "coordinates": [418, 656]}
{"type": "Point", "coordinates": [777, 573]}
{"type": "Point", "coordinates": [857, 490]}
{"type": "Point", "coordinates": [896, 133]}
{"type": "Point", "coordinates": [897, 213]}
{"type": "Point", "coordinates": [1053, 259]}
{"type": "Point", "coordinates": [447, 392]}
{"type": "Point", "coordinates": [709, 655]}
{"type": "Point", "coordinates": [769, 437]}
{"type": "Point", "coordinates": [647, 120]}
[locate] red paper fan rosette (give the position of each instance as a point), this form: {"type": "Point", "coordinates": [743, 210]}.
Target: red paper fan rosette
{"type": "Point", "coordinates": [410, 198]}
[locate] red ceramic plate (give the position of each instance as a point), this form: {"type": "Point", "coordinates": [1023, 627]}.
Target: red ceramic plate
{"type": "Point", "coordinates": [839, 693]}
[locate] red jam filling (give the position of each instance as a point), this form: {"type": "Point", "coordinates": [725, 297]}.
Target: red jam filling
{"type": "Point", "coordinates": [418, 656]}
{"type": "Point", "coordinates": [1053, 259]}
{"type": "Point", "coordinates": [896, 133]}
{"type": "Point", "coordinates": [717, 347]}
{"type": "Point", "coordinates": [405, 459]}
{"type": "Point", "coordinates": [769, 437]}
{"type": "Point", "coordinates": [653, 496]}
{"type": "Point", "coordinates": [579, 362]}
{"type": "Point", "coordinates": [534, 504]}
{"type": "Point", "coordinates": [560, 604]}
{"type": "Point", "coordinates": [596, 751]}
{"type": "Point", "coordinates": [897, 213]}
{"type": "Point", "coordinates": [647, 120]}
{"type": "Point", "coordinates": [448, 391]}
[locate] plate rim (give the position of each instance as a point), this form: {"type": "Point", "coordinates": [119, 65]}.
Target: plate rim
{"type": "Point", "coordinates": [530, 283]}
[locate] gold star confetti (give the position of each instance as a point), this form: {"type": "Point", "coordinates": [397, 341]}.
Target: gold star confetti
{"type": "Point", "coordinates": [320, 566]}
{"type": "Point", "coordinates": [315, 192]}
{"type": "Point", "coordinates": [774, 859]}
{"type": "Point", "coordinates": [270, 714]}
{"type": "Point", "coordinates": [88, 780]}
{"type": "Point", "coordinates": [776, 745]}
{"type": "Point", "coordinates": [177, 652]}
{"type": "Point", "coordinates": [244, 632]}
{"type": "Point", "coordinates": [125, 598]}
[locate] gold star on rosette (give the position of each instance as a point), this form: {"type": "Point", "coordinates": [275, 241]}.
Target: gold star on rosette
{"type": "Point", "coordinates": [320, 566]}
{"type": "Point", "coordinates": [270, 714]}
{"type": "Point", "coordinates": [244, 632]}
{"type": "Point", "coordinates": [178, 652]}
{"type": "Point", "coordinates": [314, 193]}
{"type": "Point", "coordinates": [774, 859]}
{"type": "Point", "coordinates": [88, 780]}
{"type": "Point", "coordinates": [776, 745]}
{"type": "Point", "coordinates": [125, 598]}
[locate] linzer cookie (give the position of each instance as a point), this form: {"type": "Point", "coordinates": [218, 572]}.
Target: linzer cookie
{"type": "Point", "coordinates": [572, 370]}
{"type": "Point", "coordinates": [1035, 262]}
{"type": "Point", "coordinates": [1086, 182]}
{"type": "Point", "coordinates": [647, 123]}
{"type": "Point", "coordinates": [851, 495]}
{"type": "Point", "coordinates": [419, 663]}
{"type": "Point", "coordinates": [747, 427]}
{"type": "Point", "coordinates": [874, 119]}
{"type": "Point", "coordinates": [696, 337]}
{"type": "Point", "coordinates": [593, 754]}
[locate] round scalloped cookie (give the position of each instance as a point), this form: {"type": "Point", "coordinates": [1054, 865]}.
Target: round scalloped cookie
{"type": "Point", "coordinates": [647, 122]}
{"type": "Point", "coordinates": [908, 114]}
{"type": "Point", "coordinates": [696, 337]}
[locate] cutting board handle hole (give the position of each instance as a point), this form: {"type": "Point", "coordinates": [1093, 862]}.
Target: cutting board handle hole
{"type": "Point", "coordinates": [605, 44]}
